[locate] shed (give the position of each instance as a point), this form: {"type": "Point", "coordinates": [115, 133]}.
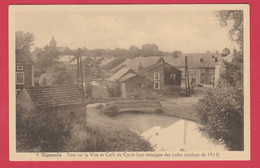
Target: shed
{"type": "Point", "coordinates": [135, 85]}
{"type": "Point", "coordinates": [63, 100]}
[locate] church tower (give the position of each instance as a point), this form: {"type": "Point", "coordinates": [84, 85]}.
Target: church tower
{"type": "Point", "coordinates": [53, 43]}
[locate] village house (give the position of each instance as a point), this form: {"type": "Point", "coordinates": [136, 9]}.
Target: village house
{"type": "Point", "coordinates": [65, 101]}
{"type": "Point", "coordinates": [201, 67]}
{"type": "Point", "coordinates": [24, 70]}
{"type": "Point", "coordinates": [148, 73]}
{"type": "Point", "coordinates": [165, 77]}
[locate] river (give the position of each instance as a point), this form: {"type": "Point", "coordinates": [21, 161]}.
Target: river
{"type": "Point", "coordinates": [167, 133]}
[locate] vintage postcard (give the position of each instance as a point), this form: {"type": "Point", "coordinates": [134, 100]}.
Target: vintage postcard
{"type": "Point", "coordinates": [129, 82]}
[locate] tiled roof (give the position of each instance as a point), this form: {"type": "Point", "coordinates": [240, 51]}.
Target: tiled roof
{"type": "Point", "coordinates": [58, 95]}
{"type": "Point", "coordinates": [22, 56]}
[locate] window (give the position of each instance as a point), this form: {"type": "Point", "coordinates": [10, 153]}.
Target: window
{"type": "Point", "coordinates": [156, 76]}
{"type": "Point", "coordinates": [202, 78]}
{"type": "Point", "coordinates": [173, 76]}
{"type": "Point", "coordinates": [156, 85]}
{"type": "Point", "coordinates": [19, 78]}
{"type": "Point", "coordinates": [19, 68]}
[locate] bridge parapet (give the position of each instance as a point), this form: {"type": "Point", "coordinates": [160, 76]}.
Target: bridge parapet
{"type": "Point", "coordinates": [150, 106]}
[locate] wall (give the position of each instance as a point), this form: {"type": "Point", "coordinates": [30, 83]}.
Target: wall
{"type": "Point", "coordinates": [149, 106]}
{"type": "Point", "coordinates": [163, 87]}
{"type": "Point", "coordinates": [208, 73]}
{"type": "Point", "coordinates": [24, 100]}
{"type": "Point", "coordinates": [138, 86]}
{"type": "Point", "coordinates": [150, 76]}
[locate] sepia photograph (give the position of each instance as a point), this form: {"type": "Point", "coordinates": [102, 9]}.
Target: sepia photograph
{"type": "Point", "coordinates": [129, 82]}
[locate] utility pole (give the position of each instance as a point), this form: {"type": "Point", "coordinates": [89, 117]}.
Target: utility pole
{"type": "Point", "coordinates": [187, 82]}
{"type": "Point", "coordinates": [80, 73]}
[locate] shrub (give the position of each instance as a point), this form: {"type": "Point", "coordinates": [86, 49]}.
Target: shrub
{"type": "Point", "coordinates": [41, 129]}
{"type": "Point", "coordinates": [100, 106]}
{"type": "Point", "coordinates": [111, 110]}
{"type": "Point", "coordinates": [159, 111]}
{"type": "Point", "coordinates": [114, 90]}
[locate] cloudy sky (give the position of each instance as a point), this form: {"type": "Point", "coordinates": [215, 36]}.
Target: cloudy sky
{"type": "Point", "coordinates": [184, 30]}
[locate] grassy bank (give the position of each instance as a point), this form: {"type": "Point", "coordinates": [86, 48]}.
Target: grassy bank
{"type": "Point", "coordinates": [112, 135]}
{"type": "Point", "coordinates": [182, 107]}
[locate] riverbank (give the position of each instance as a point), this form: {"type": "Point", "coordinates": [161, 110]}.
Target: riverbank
{"type": "Point", "coordinates": [116, 136]}
{"type": "Point", "coordinates": [182, 107]}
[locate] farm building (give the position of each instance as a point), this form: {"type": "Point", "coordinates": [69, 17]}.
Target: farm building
{"type": "Point", "coordinates": [63, 100]}
{"type": "Point", "coordinates": [131, 83]}
{"type": "Point", "coordinates": [164, 76]}
{"type": "Point", "coordinates": [24, 70]}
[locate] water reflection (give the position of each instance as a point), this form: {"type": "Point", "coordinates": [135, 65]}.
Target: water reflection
{"type": "Point", "coordinates": [167, 133]}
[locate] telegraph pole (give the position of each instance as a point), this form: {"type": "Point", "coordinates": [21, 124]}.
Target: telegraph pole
{"type": "Point", "coordinates": [80, 73]}
{"type": "Point", "coordinates": [187, 82]}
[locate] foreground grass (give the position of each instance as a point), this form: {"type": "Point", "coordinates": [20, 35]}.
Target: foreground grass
{"type": "Point", "coordinates": [101, 134]}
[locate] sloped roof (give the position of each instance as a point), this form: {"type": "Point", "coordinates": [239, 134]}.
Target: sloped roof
{"type": "Point", "coordinates": [156, 65]}
{"type": "Point", "coordinates": [21, 56]}
{"type": "Point", "coordinates": [58, 95]}
{"type": "Point", "coordinates": [127, 76]}
{"type": "Point", "coordinates": [105, 61]}
{"type": "Point", "coordinates": [123, 64]}
{"type": "Point", "coordinates": [143, 62]}
{"type": "Point", "coordinates": [194, 60]}
{"type": "Point", "coordinates": [120, 73]}
{"type": "Point", "coordinates": [112, 64]}
{"type": "Point", "coordinates": [73, 61]}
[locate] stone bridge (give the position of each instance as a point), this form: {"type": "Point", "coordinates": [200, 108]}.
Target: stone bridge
{"type": "Point", "coordinates": [147, 106]}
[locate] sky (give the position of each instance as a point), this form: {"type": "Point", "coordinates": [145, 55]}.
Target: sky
{"type": "Point", "coordinates": [189, 31]}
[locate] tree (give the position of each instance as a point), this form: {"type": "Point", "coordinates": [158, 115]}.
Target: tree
{"type": "Point", "coordinates": [235, 19]}
{"type": "Point", "coordinates": [225, 52]}
{"type": "Point", "coordinates": [221, 111]}
{"type": "Point", "coordinates": [23, 40]}
{"type": "Point", "coordinates": [45, 58]}
{"type": "Point", "coordinates": [176, 53]}
{"type": "Point", "coordinates": [59, 73]}
{"type": "Point", "coordinates": [134, 51]}
{"type": "Point", "coordinates": [149, 50]}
